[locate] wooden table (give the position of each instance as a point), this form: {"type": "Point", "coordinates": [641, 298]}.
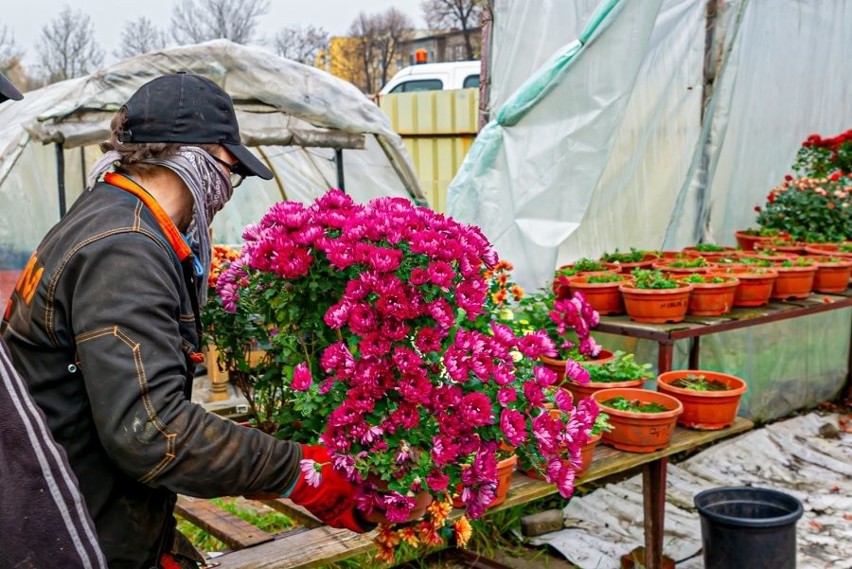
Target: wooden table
{"type": "Point", "coordinates": [316, 544]}
{"type": "Point", "coordinates": [696, 326]}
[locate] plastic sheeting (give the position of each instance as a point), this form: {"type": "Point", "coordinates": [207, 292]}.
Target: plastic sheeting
{"type": "Point", "coordinates": [653, 141]}
{"type": "Point", "coordinates": [293, 115]}
{"type": "Point", "coordinates": [789, 456]}
{"type": "Point", "coordinates": [665, 130]}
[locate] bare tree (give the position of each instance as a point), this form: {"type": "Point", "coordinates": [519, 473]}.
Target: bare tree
{"type": "Point", "coordinates": [67, 47]}
{"type": "Point", "coordinates": [300, 44]}
{"type": "Point", "coordinates": [10, 54]}
{"type": "Point", "coordinates": [376, 39]}
{"type": "Point", "coordinates": [459, 14]}
{"type": "Point", "coordinates": [140, 36]}
{"type": "Point", "coordinates": [195, 21]}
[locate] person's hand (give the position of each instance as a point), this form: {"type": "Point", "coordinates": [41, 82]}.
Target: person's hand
{"type": "Point", "coordinates": [326, 493]}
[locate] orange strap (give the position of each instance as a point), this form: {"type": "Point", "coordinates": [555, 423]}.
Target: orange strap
{"type": "Point", "coordinates": [166, 224]}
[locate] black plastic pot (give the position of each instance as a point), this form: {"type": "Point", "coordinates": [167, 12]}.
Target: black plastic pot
{"type": "Point", "coordinates": [748, 528]}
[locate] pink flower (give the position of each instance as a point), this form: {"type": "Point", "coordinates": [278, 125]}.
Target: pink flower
{"type": "Point", "coordinates": [576, 372]}
{"type": "Point", "coordinates": [398, 507]}
{"type": "Point", "coordinates": [506, 395]}
{"type": "Point", "coordinates": [312, 470]}
{"type": "Point", "coordinates": [514, 426]}
{"type": "Point", "coordinates": [475, 409]}
{"type": "Point", "coordinates": [302, 379]}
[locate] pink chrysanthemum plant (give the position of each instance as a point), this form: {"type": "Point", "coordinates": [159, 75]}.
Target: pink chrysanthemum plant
{"type": "Point", "coordinates": [391, 352]}
{"type": "Point", "coordinates": [568, 322]}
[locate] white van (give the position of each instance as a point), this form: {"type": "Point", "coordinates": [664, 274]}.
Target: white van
{"type": "Point", "coordinates": [434, 77]}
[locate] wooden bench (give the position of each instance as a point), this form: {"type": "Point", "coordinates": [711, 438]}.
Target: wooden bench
{"type": "Point", "coordinates": [315, 544]}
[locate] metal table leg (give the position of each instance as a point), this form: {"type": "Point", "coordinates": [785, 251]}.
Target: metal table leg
{"type": "Point", "coordinates": [654, 497]}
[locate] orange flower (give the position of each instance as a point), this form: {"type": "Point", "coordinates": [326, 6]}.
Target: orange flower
{"type": "Point", "coordinates": [517, 292]}
{"type": "Point", "coordinates": [500, 296]}
{"type": "Point", "coordinates": [409, 536]}
{"type": "Point", "coordinates": [463, 531]}
{"type": "Point", "coordinates": [438, 512]}
{"type": "Point", "coordinates": [429, 534]}
{"type": "Point", "coordinates": [387, 537]}
{"type": "Point", "coordinates": [385, 554]}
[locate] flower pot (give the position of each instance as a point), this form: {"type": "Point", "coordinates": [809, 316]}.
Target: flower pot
{"type": "Point", "coordinates": [582, 391]}
{"type": "Point", "coordinates": [748, 527]}
{"type": "Point", "coordinates": [603, 297]}
{"type": "Point", "coordinates": [831, 276]}
{"type": "Point", "coordinates": [560, 281]}
{"type": "Point", "coordinates": [755, 287]}
{"type": "Point", "coordinates": [656, 305]}
{"type": "Point", "coordinates": [670, 266]}
{"type": "Point", "coordinates": [505, 468]}
{"type": "Point", "coordinates": [747, 242]}
{"type": "Point", "coordinates": [794, 248]}
{"type": "Point", "coordinates": [712, 299]}
{"type": "Point", "coordinates": [639, 432]}
{"type": "Point", "coordinates": [709, 255]}
{"type": "Point", "coordinates": [704, 410]}
{"type": "Point", "coordinates": [645, 263]}
{"type": "Point", "coordinates": [558, 365]}
{"type": "Point", "coordinates": [828, 249]}
{"type": "Point", "coordinates": [794, 282]}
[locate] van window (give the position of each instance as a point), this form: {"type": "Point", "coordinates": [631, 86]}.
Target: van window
{"type": "Point", "coordinates": [471, 81]}
{"type": "Point", "coordinates": [419, 85]}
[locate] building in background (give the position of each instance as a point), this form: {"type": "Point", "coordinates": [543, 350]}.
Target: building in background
{"type": "Point", "coordinates": [440, 46]}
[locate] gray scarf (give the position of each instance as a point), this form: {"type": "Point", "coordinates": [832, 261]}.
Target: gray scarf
{"type": "Point", "coordinates": [210, 187]}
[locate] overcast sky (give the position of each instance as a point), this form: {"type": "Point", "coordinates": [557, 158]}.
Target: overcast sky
{"type": "Point", "coordinates": [27, 17]}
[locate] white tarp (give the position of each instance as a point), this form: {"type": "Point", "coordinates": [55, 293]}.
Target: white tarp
{"type": "Point", "coordinates": [789, 456]}
{"type": "Point", "coordinates": [623, 151]}
{"type": "Point", "coordinates": [292, 115]}
{"type": "Point", "coordinates": [661, 127]}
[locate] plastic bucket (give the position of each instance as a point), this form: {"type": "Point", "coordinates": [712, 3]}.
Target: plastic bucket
{"type": "Point", "coordinates": [748, 528]}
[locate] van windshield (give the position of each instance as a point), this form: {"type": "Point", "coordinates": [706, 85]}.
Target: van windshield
{"type": "Point", "coordinates": [418, 85]}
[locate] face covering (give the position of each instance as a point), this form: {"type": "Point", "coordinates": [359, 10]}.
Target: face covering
{"type": "Point", "coordinates": [210, 188]}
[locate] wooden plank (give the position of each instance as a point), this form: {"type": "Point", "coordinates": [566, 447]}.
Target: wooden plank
{"type": "Point", "coordinates": [323, 545]}
{"type": "Point", "coordinates": [224, 526]}
{"type": "Point", "coordinates": [298, 513]}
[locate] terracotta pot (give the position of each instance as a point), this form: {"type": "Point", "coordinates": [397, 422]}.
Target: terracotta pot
{"type": "Point", "coordinates": [639, 432]}
{"type": "Point", "coordinates": [560, 282]}
{"type": "Point", "coordinates": [828, 249]}
{"type": "Point", "coordinates": [656, 305]}
{"type": "Point", "coordinates": [672, 255]}
{"type": "Point", "coordinates": [831, 276]}
{"type": "Point", "coordinates": [559, 365]}
{"type": "Point", "coordinates": [704, 410]}
{"type": "Point", "coordinates": [794, 282]}
{"type": "Point", "coordinates": [754, 288]}
{"type": "Point", "coordinates": [669, 266]}
{"type": "Point", "coordinates": [713, 299]}
{"type": "Point", "coordinates": [747, 242]}
{"type": "Point", "coordinates": [581, 391]}
{"type": "Point", "coordinates": [603, 297]}
{"type": "Point", "coordinates": [709, 255]}
{"type": "Point", "coordinates": [645, 263]}
{"type": "Point", "coordinates": [795, 248]}
{"type": "Point", "coordinates": [505, 468]}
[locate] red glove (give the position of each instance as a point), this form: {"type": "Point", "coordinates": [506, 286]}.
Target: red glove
{"type": "Point", "coordinates": [333, 499]}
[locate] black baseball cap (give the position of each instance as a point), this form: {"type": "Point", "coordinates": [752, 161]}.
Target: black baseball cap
{"type": "Point", "coordinates": [191, 109]}
{"type": "Point", "coordinates": [7, 90]}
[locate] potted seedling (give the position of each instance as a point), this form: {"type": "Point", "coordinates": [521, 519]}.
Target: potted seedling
{"type": "Point", "coordinates": [621, 371]}
{"type": "Point", "coordinates": [795, 278]}
{"type": "Point", "coordinates": [709, 251]}
{"type": "Point", "coordinates": [580, 267]}
{"type": "Point", "coordinates": [755, 285]}
{"type": "Point", "coordinates": [710, 399]}
{"type": "Point", "coordinates": [655, 297]}
{"type": "Point", "coordinates": [642, 420]}
{"type": "Point", "coordinates": [712, 294]}
{"type": "Point", "coordinates": [833, 273]}
{"type": "Point", "coordinates": [633, 259]}
{"type": "Point", "coordinates": [601, 290]}
{"type": "Point", "coordinates": [685, 265]}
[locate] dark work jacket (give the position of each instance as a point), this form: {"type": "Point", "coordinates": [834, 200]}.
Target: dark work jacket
{"type": "Point", "coordinates": [102, 327]}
